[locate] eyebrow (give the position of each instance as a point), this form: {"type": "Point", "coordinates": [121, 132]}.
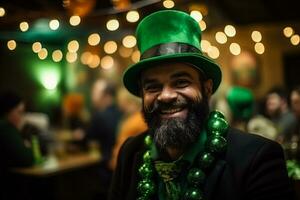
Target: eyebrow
{"type": "Point", "coordinates": [173, 76]}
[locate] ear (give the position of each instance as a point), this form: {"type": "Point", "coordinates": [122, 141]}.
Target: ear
{"type": "Point", "coordinates": [208, 87]}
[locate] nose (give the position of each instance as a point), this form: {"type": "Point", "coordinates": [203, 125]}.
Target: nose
{"type": "Point", "coordinates": [167, 95]}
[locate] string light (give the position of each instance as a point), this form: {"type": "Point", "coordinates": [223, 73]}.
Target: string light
{"type": "Point", "coordinates": [196, 15]}
{"type": "Point", "coordinates": [235, 49]}
{"type": "Point", "coordinates": [94, 39]}
{"type": "Point", "coordinates": [57, 55]}
{"type": "Point", "coordinates": [295, 39]}
{"type": "Point", "coordinates": [202, 25]}
{"type": "Point", "coordinates": [168, 4]}
{"type": "Point", "coordinates": [36, 47]}
{"type": "Point", "coordinates": [135, 57]}
{"type": "Point", "coordinates": [11, 45]}
{"type": "Point", "coordinates": [2, 11]}
{"type": "Point", "coordinates": [71, 57]}
{"type": "Point", "coordinates": [54, 24]}
{"type": "Point", "coordinates": [259, 48]}
{"type": "Point", "coordinates": [43, 53]}
{"type": "Point", "coordinates": [129, 41]}
{"type": "Point", "coordinates": [112, 25]}
{"type": "Point", "coordinates": [221, 37]}
{"type": "Point", "coordinates": [73, 46]}
{"type": "Point", "coordinates": [107, 62]}
{"type": "Point", "coordinates": [95, 61]}
{"type": "Point", "coordinates": [256, 36]}
{"type": "Point", "coordinates": [205, 45]}
{"type": "Point", "coordinates": [110, 47]}
{"type": "Point", "coordinates": [24, 26]}
{"type": "Point", "coordinates": [132, 16]}
{"type": "Point", "coordinates": [213, 52]}
{"type": "Point", "coordinates": [288, 31]}
{"type": "Point", "coordinates": [230, 30]}
{"type": "Point", "coordinates": [75, 20]}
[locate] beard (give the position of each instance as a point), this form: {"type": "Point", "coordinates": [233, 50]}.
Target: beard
{"type": "Point", "coordinates": [177, 132]}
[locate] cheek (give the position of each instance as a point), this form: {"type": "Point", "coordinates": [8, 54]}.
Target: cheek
{"type": "Point", "coordinates": [193, 93]}
{"type": "Point", "coordinates": [148, 100]}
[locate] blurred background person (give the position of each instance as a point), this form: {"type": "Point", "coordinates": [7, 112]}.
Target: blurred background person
{"type": "Point", "coordinates": [75, 119]}
{"type": "Point", "coordinates": [132, 122]}
{"type": "Point", "coordinates": [241, 104]}
{"type": "Point", "coordinates": [278, 111]}
{"type": "Point", "coordinates": [103, 126]}
{"type": "Point", "coordinates": [14, 151]}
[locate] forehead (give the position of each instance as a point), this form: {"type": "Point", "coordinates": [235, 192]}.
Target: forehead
{"type": "Point", "coordinates": [166, 70]}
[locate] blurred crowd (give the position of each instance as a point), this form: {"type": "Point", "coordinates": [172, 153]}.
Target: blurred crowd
{"type": "Point", "coordinates": [114, 115]}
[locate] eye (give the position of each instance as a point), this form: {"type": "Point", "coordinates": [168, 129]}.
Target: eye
{"type": "Point", "coordinates": [153, 87]}
{"type": "Point", "coordinates": [181, 83]}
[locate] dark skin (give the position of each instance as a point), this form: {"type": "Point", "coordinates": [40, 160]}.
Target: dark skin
{"type": "Point", "coordinates": [169, 82]}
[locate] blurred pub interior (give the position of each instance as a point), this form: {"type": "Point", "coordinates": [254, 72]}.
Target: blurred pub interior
{"type": "Point", "coordinates": [52, 48]}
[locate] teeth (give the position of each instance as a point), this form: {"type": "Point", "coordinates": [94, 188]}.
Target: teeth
{"type": "Point", "coordinates": [170, 111]}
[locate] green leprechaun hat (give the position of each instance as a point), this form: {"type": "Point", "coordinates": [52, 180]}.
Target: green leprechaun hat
{"type": "Point", "coordinates": [169, 36]}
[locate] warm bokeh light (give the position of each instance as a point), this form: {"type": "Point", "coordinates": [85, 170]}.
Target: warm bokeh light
{"type": "Point", "coordinates": [75, 20]}
{"type": "Point", "coordinates": [125, 52]}
{"type": "Point", "coordinates": [110, 47]}
{"type": "Point", "coordinates": [94, 39]}
{"type": "Point", "coordinates": [135, 57]}
{"type": "Point", "coordinates": [50, 81]}
{"type": "Point", "coordinates": [73, 46]}
{"type": "Point", "coordinates": [107, 62]}
{"type": "Point", "coordinates": [202, 25]}
{"type": "Point", "coordinates": [24, 26]}
{"type": "Point", "coordinates": [221, 37]}
{"type": "Point", "coordinates": [95, 61]}
{"type": "Point", "coordinates": [2, 12]}
{"type": "Point", "coordinates": [288, 31]}
{"type": "Point", "coordinates": [112, 25]}
{"type": "Point", "coordinates": [230, 30]}
{"type": "Point", "coordinates": [132, 16]}
{"type": "Point", "coordinates": [43, 53]}
{"type": "Point", "coordinates": [57, 55]}
{"type": "Point", "coordinates": [36, 47]}
{"type": "Point", "coordinates": [295, 39]}
{"type": "Point", "coordinates": [54, 24]}
{"type": "Point", "coordinates": [11, 45]}
{"type": "Point", "coordinates": [213, 52]}
{"type": "Point", "coordinates": [235, 49]}
{"type": "Point", "coordinates": [168, 4]}
{"type": "Point", "coordinates": [129, 41]}
{"type": "Point", "coordinates": [71, 57]}
{"type": "Point", "coordinates": [86, 57]}
{"type": "Point", "coordinates": [196, 15]}
{"type": "Point", "coordinates": [259, 48]}
{"type": "Point", "coordinates": [205, 45]}
{"type": "Point", "coordinates": [256, 36]}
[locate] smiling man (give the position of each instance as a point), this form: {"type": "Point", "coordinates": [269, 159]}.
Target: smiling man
{"type": "Point", "coordinates": [189, 152]}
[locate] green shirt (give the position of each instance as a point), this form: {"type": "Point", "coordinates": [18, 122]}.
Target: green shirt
{"type": "Point", "coordinates": [187, 159]}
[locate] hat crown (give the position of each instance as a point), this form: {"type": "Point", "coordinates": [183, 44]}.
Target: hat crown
{"type": "Point", "coordinates": [168, 26]}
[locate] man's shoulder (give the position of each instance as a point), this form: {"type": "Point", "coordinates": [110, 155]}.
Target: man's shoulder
{"type": "Point", "coordinates": [242, 145]}
{"type": "Point", "coordinates": [134, 143]}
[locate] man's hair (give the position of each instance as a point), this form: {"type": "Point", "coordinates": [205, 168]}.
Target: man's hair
{"type": "Point", "coordinates": [281, 92]}
{"type": "Point", "coordinates": [296, 89]}
{"type": "Point", "coordinates": [8, 101]}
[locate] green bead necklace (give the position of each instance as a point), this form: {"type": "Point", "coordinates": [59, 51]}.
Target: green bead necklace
{"type": "Point", "coordinates": [216, 143]}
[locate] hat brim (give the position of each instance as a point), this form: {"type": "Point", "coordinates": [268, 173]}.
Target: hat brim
{"type": "Point", "coordinates": [132, 75]}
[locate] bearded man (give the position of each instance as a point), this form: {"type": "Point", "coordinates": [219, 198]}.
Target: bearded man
{"type": "Point", "coordinates": [189, 153]}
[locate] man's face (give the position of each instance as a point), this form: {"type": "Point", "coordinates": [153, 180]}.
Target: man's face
{"type": "Point", "coordinates": [295, 103]}
{"type": "Point", "coordinates": [15, 116]}
{"type": "Point", "coordinates": [273, 104]}
{"type": "Point", "coordinates": [175, 103]}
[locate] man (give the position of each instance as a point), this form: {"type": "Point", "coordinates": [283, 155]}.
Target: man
{"type": "Point", "coordinates": [188, 153]}
{"type": "Point", "coordinates": [13, 150]}
{"type": "Point", "coordinates": [277, 110]}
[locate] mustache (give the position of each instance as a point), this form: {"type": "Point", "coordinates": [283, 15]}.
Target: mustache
{"type": "Point", "coordinates": [157, 106]}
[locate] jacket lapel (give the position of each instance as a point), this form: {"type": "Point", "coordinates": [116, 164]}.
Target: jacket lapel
{"type": "Point", "coordinates": [213, 178]}
{"type": "Point", "coordinates": [132, 194]}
